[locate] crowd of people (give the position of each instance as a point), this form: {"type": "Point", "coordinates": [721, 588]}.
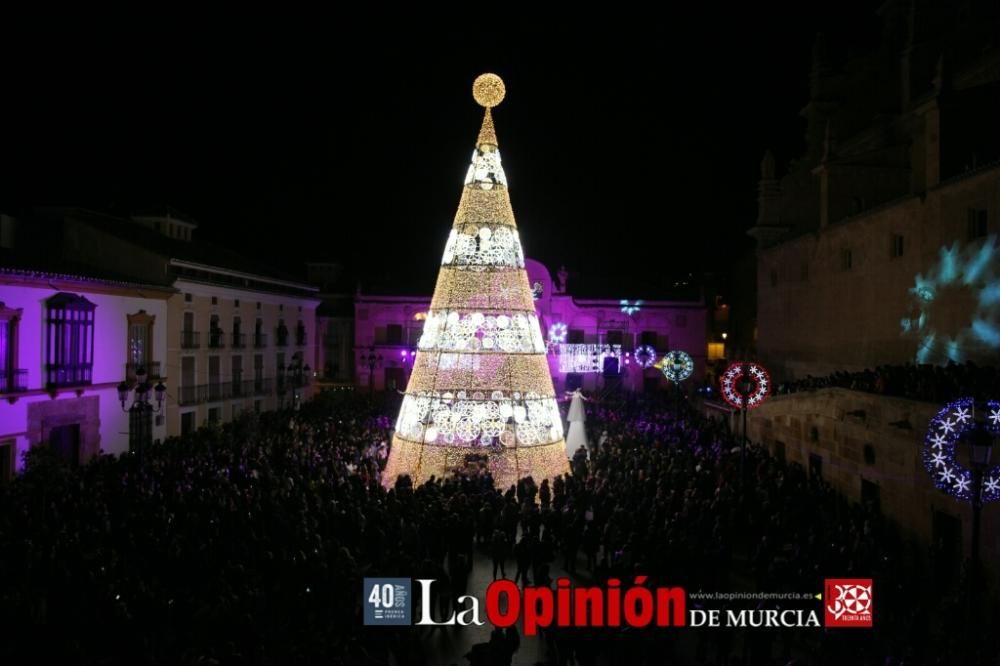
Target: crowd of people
{"type": "Point", "coordinates": [929, 383]}
{"type": "Point", "coordinates": [248, 543]}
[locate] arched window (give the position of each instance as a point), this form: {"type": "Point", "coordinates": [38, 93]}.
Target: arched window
{"type": "Point", "coordinates": [69, 352]}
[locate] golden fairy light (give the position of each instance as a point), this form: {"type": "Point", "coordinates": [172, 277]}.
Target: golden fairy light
{"type": "Point", "coordinates": [480, 386]}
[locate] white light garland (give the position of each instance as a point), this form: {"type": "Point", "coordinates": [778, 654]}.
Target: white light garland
{"type": "Point", "coordinates": [483, 246]}
{"type": "Point", "coordinates": [464, 417]}
{"type": "Point", "coordinates": [476, 332]}
{"type": "Point", "coordinates": [486, 170]}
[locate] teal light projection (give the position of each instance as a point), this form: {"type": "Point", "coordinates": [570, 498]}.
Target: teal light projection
{"type": "Point", "coordinates": [955, 306]}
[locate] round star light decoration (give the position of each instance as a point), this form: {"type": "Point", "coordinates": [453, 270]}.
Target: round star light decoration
{"type": "Point", "coordinates": [677, 365]}
{"type": "Point", "coordinates": [733, 377]}
{"type": "Point", "coordinates": [557, 333]}
{"type": "Point", "coordinates": [939, 453]}
{"type": "Point", "coordinates": [645, 356]}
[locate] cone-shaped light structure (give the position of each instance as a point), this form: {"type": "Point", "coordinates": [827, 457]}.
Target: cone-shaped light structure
{"type": "Point", "coordinates": [480, 386]}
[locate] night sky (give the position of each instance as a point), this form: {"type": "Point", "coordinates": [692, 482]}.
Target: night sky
{"type": "Point", "coordinates": [626, 141]}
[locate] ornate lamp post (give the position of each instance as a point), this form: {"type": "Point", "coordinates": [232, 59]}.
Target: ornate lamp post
{"type": "Point", "coordinates": [140, 426]}
{"type": "Point", "coordinates": [294, 376]}
{"type": "Point", "coordinates": [676, 366]}
{"type": "Point", "coordinates": [976, 423]}
{"type": "Point", "coordinates": [745, 385]}
{"type": "Point", "coordinates": [371, 359]}
{"type": "Point", "coordinates": [980, 452]}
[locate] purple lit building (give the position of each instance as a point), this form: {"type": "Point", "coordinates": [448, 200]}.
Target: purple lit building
{"type": "Point", "coordinates": [66, 342]}
{"type": "Point", "coordinates": [594, 343]}
{"type": "Point", "coordinates": [223, 334]}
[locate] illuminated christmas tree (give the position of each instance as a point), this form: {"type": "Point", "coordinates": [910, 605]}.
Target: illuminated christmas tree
{"type": "Point", "coordinates": [480, 386]}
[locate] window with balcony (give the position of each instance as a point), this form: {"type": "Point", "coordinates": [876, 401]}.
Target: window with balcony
{"type": "Point", "coordinates": [394, 334]}
{"type": "Point", "coordinates": [281, 334]}
{"type": "Point", "coordinates": [139, 354]}
{"type": "Point", "coordinates": [216, 336]}
{"type": "Point", "coordinates": [239, 337]}
{"type": "Point", "coordinates": [12, 378]}
{"type": "Point", "coordinates": [613, 337]}
{"type": "Point", "coordinates": [300, 334]}
{"type": "Point", "coordinates": [69, 351]}
{"type": "Point", "coordinates": [189, 337]}
{"type": "Point", "coordinates": [259, 337]}
{"type": "Point", "coordinates": [648, 338]}
{"type": "Point", "coordinates": [575, 336]}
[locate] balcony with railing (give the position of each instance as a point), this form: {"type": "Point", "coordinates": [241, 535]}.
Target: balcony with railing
{"type": "Point", "coordinates": [239, 340]}
{"type": "Point", "coordinates": [240, 388]}
{"type": "Point", "coordinates": [14, 381]}
{"type": "Point", "coordinates": [192, 395]}
{"type": "Point", "coordinates": [190, 340]}
{"type": "Point", "coordinates": [260, 340]}
{"type": "Point", "coordinates": [216, 339]}
{"type": "Point", "coordinates": [219, 391]}
{"type": "Point", "coordinates": [262, 386]}
{"type": "Point", "coordinates": [57, 376]}
{"type": "Point", "coordinates": [281, 337]}
{"type": "Point", "coordinates": [151, 370]}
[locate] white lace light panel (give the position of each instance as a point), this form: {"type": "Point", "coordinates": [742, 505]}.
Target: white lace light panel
{"type": "Point", "coordinates": [464, 417]}
{"type": "Point", "coordinates": [452, 331]}
{"type": "Point", "coordinates": [486, 170]}
{"type": "Point", "coordinates": [584, 358]}
{"type": "Point", "coordinates": [484, 247]}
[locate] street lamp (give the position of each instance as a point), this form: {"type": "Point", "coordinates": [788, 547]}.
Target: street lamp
{"type": "Point", "coordinates": [371, 359]}
{"type": "Point", "coordinates": [980, 451]}
{"type": "Point", "coordinates": [746, 387]}
{"type": "Point", "coordinates": [140, 430]}
{"type": "Point", "coordinates": [295, 375]}
{"type": "Point", "coordinates": [974, 424]}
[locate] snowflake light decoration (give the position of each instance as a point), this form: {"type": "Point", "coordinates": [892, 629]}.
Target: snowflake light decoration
{"type": "Point", "coordinates": [943, 434]}
{"type": "Point", "coordinates": [630, 308]}
{"type": "Point", "coordinates": [557, 333]}
{"type": "Point", "coordinates": [971, 269]}
{"type": "Point", "coordinates": [645, 356]}
{"type": "Point", "coordinates": [677, 365]}
{"type": "Point", "coordinates": [733, 377]}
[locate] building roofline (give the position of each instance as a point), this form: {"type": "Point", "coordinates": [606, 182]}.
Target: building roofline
{"type": "Point", "coordinates": [182, 263]}
{"type": "Point", "coordinates": [377, 298]}
{"type": "Point", "coordinates": [29, 276]}
{"type": "Point", "coordinates": [616, 303]}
